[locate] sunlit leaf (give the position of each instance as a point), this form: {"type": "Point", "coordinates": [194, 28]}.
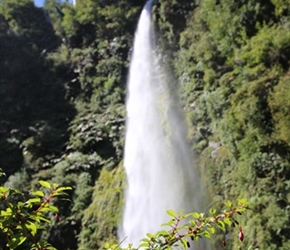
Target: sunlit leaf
{"type": "Point", "coordinates": [211, 229]}
{"type": "Point", "coordinates": [144, 244]}
{"type": "Point", "coordinates": [49, 209]}
{"type": "Point", "coordinates": [222, 226]}
{"type": "Point", "coordinates": [185, 243]}
{"type": "Point", "coordinates": [34, 200]}
{"type": "Point", "coordinates": [228, 221]}
{"type": "Point", "coordinates": [206, 234]}
{"type": "Point", "coordinates": [38, 193]}
{"type": "Point", "coordinates": [3, 189]}
{"type": "Point", "coordinates": [63, 189]}
{"type": "Point", "coordinates": [169, 223]}
{"type": "Point", "coordinates": [41, 218]}
{"type": "Point", "coordinates": [7, 212]}
{"type": "Point", "coordinates": [228, 204]}
{"type": "Point", "coordinates": [171, 213]}
{"type": "Point", "coordinates": [242, 202]}
{"type": "Point", "coordinates": [31, 227]}
{"type": "Point", "coordinates": [162, 233]}
{"type": "Point", "coordinates": [45, 184]}
{"type": "Point", "coordinates": [149, 235]}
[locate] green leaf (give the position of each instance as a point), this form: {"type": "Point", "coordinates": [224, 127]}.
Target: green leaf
{"type": "Point", "coordinates": [34, 200]}
{"type": "Point", "coordinates": [7, 212]}
{"type": "Point", "coordinates": [59, 194]}
{"type": "Point", "coordinates": [171, 213]}
{"type": "Point", "coordinates": [228, 221]}
{"type": "Point", "coordinates": [185, 243]}
{"type": "Point", "coordinates": [32, 228]}
{"type": "Point", "coordinates": [45, 184]}
{"type": "Point", "coordinates": [222, 226]}
{"type": "Point", "coordinates": [169, 223]}
{"type": "Point", "coordinates": [144, 244]}
{"type": "Point", "coordinates": [16, 241]}
{"type": "Point", "coordinates": [211, 230]}
{"type": "Point", "coordinates": [63, 189]}
{"type": "Point", "coordinates": [42, 245]}
{"type": "Point", "coordinates": [53, 209]}
{"type": "Point", "coordinates": [40, 218]}
{"type": "Point", "coordinates": [145, 240]}
{"type": "Point", "coordinates": [49, 209]}
{"type": "Point", "coordinates": [206, 234]}
{"type": "Point", "coordinates": [4, 190]}
{"type": "Point", "coordinates": [38, 193]}
{"type": "Point", "coordinates": [163, 233]}
{"type": "Point", "coordinates": [50, 248]}
{"type": "Point", "coordinates": [149, 235]}
{"type": "Point", "coordinates": [243, 202]}
{"type": "Point", "coordinates": [195, 215]}
{"type": "Point", "coordinates": [228, 204]}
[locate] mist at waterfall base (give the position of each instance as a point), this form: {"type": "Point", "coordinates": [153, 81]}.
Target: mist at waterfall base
{"type": "Point", "coordinates": [159, 165]}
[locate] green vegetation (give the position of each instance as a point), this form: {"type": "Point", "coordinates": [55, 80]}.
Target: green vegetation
{"type": "Point", "coordinates": [23, 215]}
{"type": "Point", "coordinates": [232, 64]}
{"type": "Point", "coordinates": [185, 230]}
{"type": "Point", "coordinates": [63, 73]}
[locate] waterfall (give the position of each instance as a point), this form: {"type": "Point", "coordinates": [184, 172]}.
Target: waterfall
{"type": "Point", "coordinates": [159, 165]}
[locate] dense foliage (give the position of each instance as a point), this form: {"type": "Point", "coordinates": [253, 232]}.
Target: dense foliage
{"type": "Point", "coordinates": [63, 71]}
{"type": "Point", "coordinates": [23, 215]}
{"type": "Point", "coordinates": [233, 67]}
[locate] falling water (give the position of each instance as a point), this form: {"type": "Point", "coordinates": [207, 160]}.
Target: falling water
{"type": "Point", "coordinates": [158, 162]}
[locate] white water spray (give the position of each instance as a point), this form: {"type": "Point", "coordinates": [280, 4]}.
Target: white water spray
{"type": "Point", "coordinates": [158, 162]}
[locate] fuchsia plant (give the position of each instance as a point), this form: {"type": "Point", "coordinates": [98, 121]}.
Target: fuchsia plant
{"type": "Point", "coordinates": [183, 229]}
{"type": "Point", "coordinates": [23, 216]}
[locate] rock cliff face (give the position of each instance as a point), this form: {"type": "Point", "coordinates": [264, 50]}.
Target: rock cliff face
{"type": "Point", "coordinates": [63, 73]}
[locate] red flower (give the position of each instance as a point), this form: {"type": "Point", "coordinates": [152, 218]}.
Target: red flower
{"type": "Point", "coordinates": [241, 234]}
{"type": "Point", "coordinates": [56, 218]}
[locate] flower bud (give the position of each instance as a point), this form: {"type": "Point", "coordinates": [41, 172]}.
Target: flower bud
{"type": "Point", "coordinates": [56, 218]}
{"type": "Point", "coordinates": [241, 234]}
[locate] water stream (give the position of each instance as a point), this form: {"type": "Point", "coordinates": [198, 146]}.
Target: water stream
{"type": "Point", "coordinates": [159, 165]}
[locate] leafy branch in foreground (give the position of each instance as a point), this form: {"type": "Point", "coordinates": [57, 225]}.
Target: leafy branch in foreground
{"type": "Point", "coordinates": [183, 229]}
{"type": "Point", "coordinates": [23, 215]}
